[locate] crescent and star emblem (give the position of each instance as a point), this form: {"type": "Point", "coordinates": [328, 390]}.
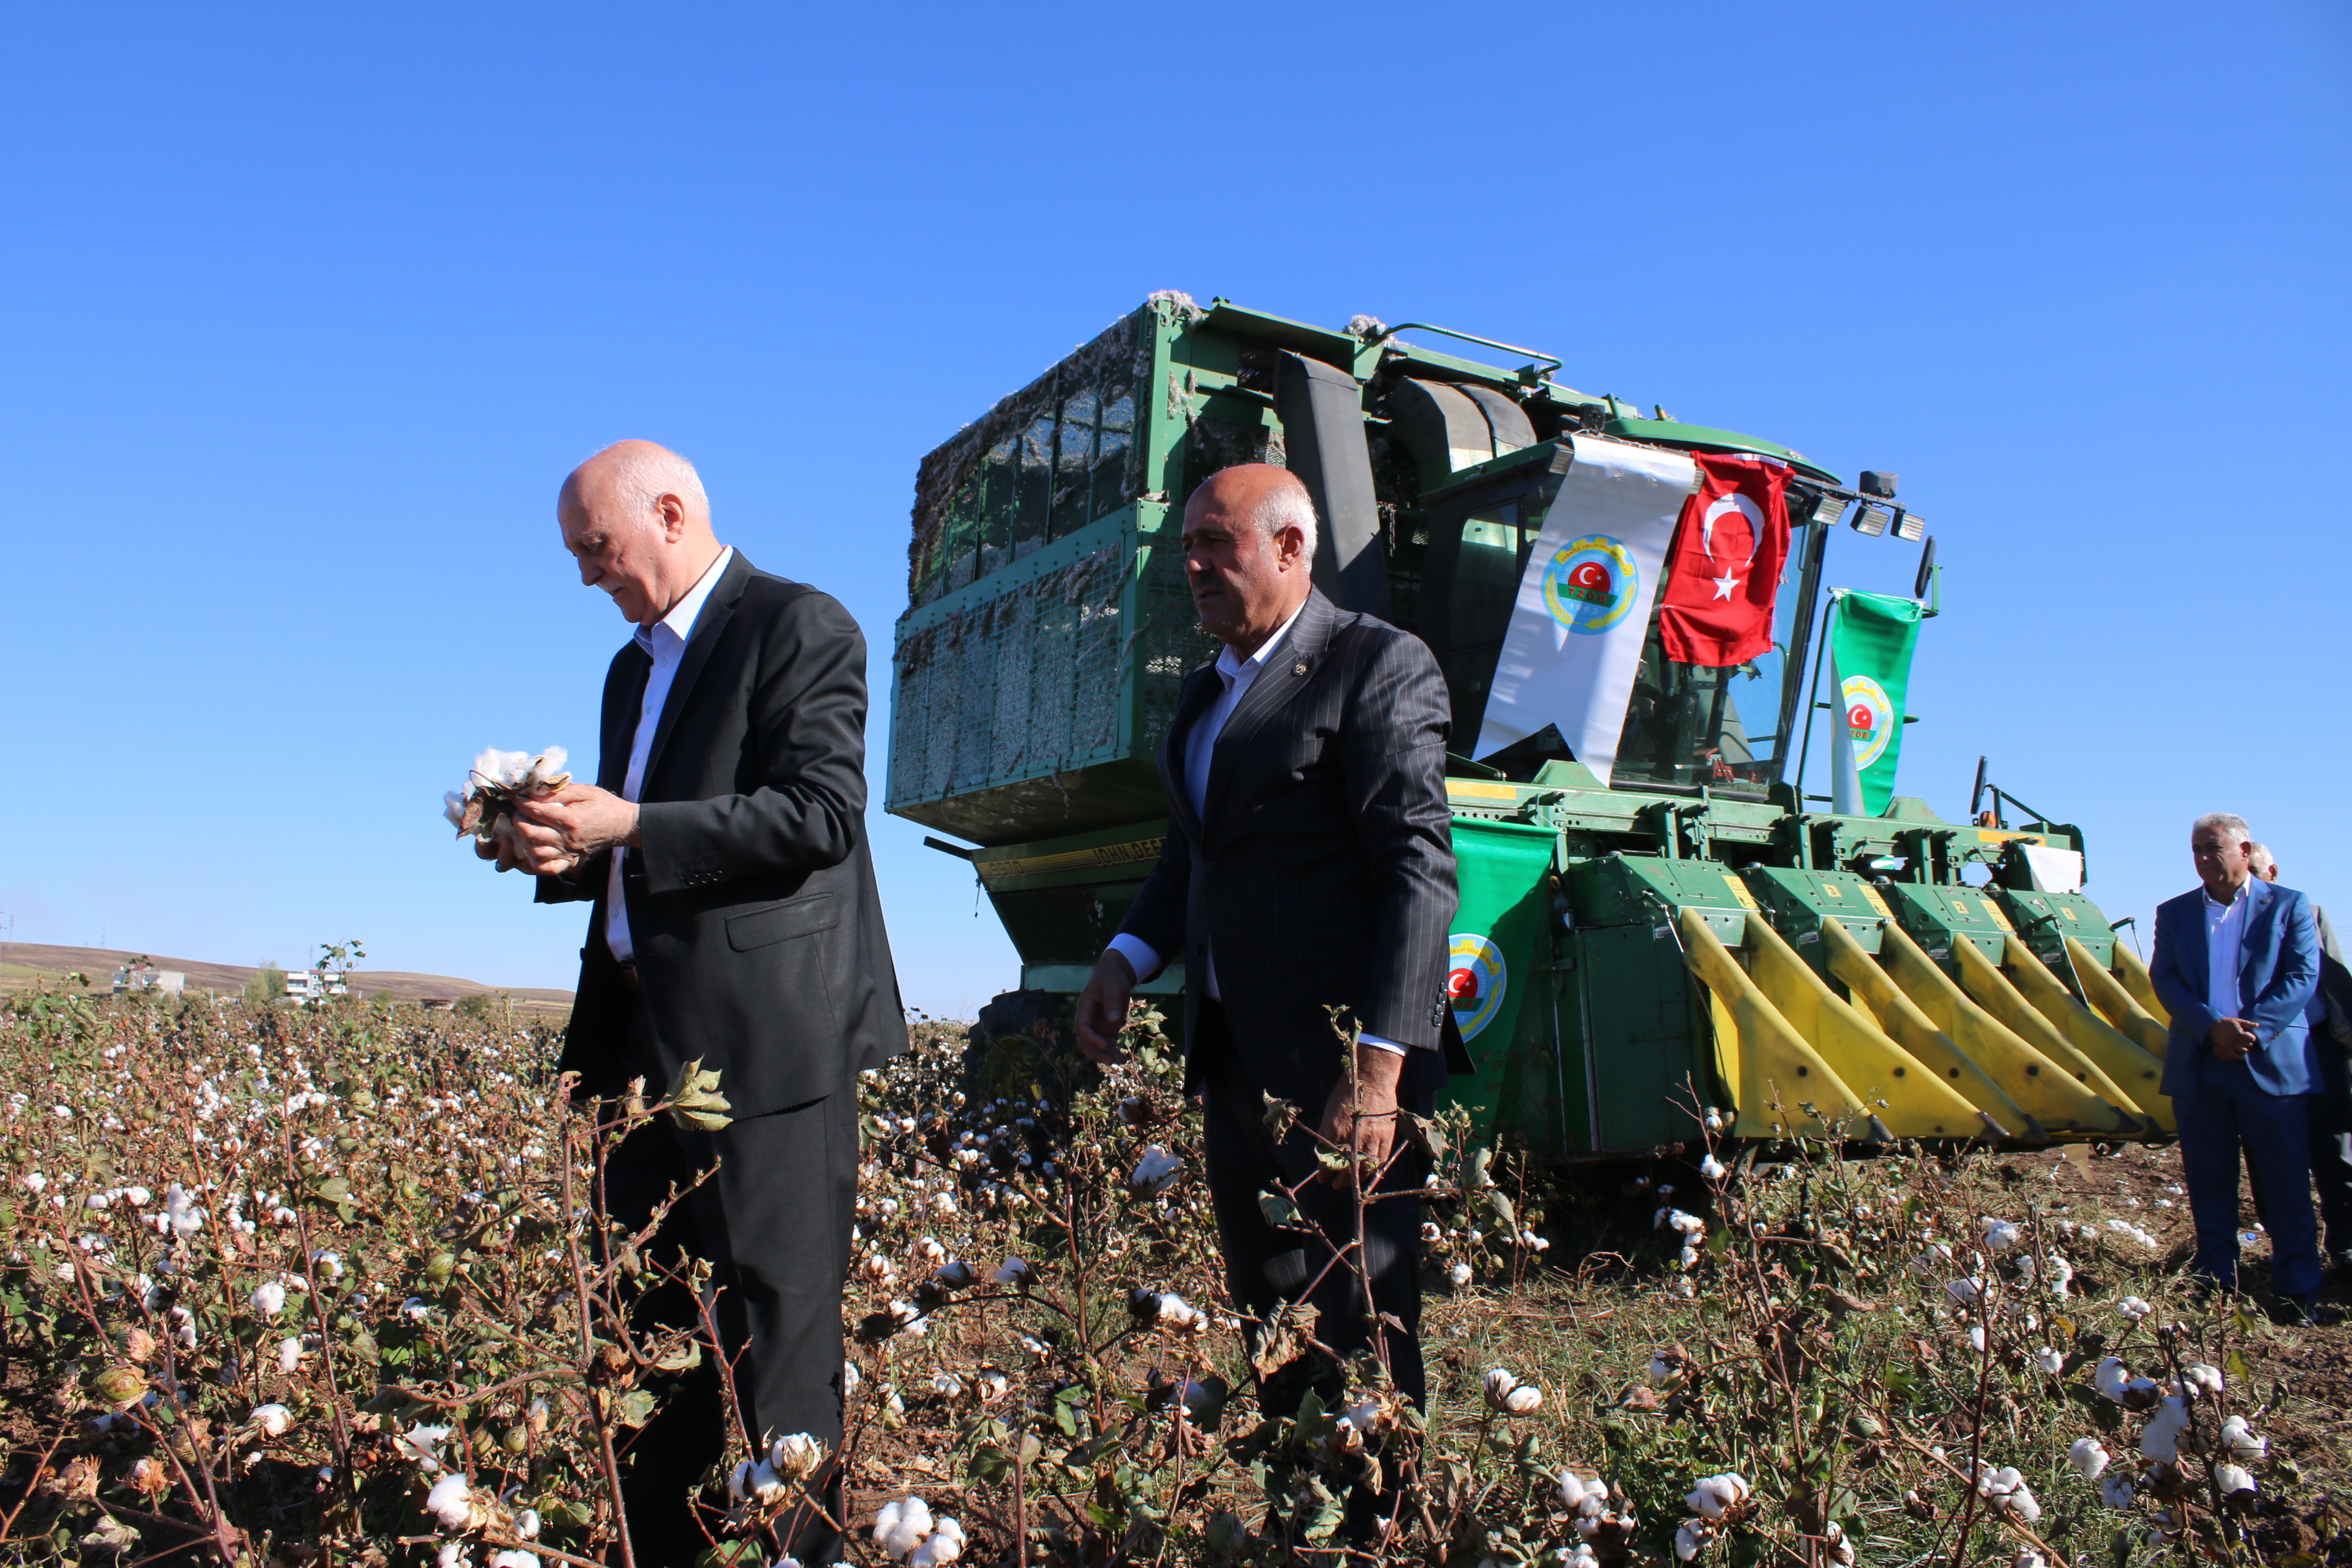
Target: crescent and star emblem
{"type": "Point", "coordinates": [1739, 503]}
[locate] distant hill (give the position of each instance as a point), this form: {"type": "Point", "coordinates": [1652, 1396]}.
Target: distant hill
{"type": "Point", "coordinates": [26, 961]}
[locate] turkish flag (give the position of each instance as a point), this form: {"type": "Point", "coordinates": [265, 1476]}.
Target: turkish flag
{"type": "Point", "coordinates": [1724, 570]}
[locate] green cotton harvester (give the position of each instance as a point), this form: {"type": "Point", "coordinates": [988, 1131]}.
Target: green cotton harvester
{"type": "Point", "coordinates": [1657, 920]}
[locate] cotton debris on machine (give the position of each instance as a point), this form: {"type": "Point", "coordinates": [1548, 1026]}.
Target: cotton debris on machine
{"type": "Point", "coordinates": [1664, 916]}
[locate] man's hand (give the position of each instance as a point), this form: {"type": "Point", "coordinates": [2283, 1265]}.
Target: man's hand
{"type": "Point", "coordinates": [1370, 1128]}
{"type": "Point", "coordinates": [554, 833]}
{"type": "Point", "coordinates": [1102, 1008]}
{"type": "Point", "coordinates": [2233, 1038]}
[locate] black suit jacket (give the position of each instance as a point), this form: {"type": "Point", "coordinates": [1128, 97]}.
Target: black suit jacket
{"type": "Point", "coordinates": [1322, 870]}
{"type": "Point", "coordinates": [753, 907]}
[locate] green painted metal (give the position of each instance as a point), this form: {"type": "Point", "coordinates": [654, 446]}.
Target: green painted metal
{"type": "Point", "coordinates": [2046, 919]}
{"type": "Point", "coordinates": [1800, 902]}
{"type": "Point", "coordinates": [1668, 433]}
{"type": "Point", "coordinates": [1938, 918]}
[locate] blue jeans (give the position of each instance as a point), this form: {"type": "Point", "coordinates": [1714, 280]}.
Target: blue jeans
{"type": "Point", "coordinates": [2228, 1107]}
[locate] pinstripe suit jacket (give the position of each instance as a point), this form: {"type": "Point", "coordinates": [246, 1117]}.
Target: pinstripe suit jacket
{"type": "Point", "coordinates": [1322, 870]}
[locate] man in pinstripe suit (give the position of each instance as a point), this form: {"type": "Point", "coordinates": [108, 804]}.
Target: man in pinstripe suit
{"type": "Point", "coordinates": [1309, 867]}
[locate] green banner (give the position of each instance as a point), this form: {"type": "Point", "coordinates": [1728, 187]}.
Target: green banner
{"type": "Point", "coordinates": [1495, 946]}
{"type": "Point", "coordinates": [1870, 660]}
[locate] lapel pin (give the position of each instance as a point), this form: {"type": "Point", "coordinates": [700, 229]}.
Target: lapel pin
{"type": "Point", "coordinates": [1298, 668]}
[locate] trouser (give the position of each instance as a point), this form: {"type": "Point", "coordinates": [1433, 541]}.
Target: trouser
{"type": "Point", "coordinates": [2230, 1108]}
{"type": "Point", "coordinates": [2329, 1120]}
{"type": "Point", "coordinates": [1266, 1266]}
{"type": "Point", "coordinates": [773, 1221]}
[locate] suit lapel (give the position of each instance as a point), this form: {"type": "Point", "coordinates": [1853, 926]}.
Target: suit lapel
{"type": "Point", "coordinates": [625, 692]}
{"type": "Point", "coordinates": [2259, 894]}
{"type": "Point", "coordinates": [1200, 691]}
{"type": "Point", "coordinates": [716, 611]}
{"type": "Point", "coordinates": [1283, 678]}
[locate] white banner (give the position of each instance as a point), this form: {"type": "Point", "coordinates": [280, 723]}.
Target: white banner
{"type": "Point", "coordinates": [1575, 639]}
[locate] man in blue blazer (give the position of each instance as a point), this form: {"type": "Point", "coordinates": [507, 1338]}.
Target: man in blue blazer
{"type": "Point", "coordinates": [2236, 964]}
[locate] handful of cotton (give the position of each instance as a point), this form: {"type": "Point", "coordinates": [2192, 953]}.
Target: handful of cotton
{"type": "Point", "coordinates": [498, 780]}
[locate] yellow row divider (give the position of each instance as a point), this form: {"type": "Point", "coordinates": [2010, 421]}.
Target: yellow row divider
{"type": "Point", "coordinates": [2107, 994]}
{"type": "Point", "coordinates": [2135, 980]}
{"type": "Point", "coordinates": [1876, 995]}
{"type": "Point", "coordinates": [2131, 1069]}
{"type": "Point", "coordinates": [1764, 1060]}
{"type": "Point", "coordinates": [2047, 1090]}
{"type": "Point", "coordinates": [1913, 1101]}
{"type": "Point", "coordinates": [1982, 980]}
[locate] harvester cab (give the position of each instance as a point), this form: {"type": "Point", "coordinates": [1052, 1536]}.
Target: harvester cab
{"type": "Point", "coordinates": [1660, 920]}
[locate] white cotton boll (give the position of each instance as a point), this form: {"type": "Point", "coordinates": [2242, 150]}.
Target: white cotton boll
{"type": "Point", "coordinates": [453, 806]}
{"type": "Point", "coordinates": [1692, 1538]}
{"type": "Point", "coordinates": [290, 1354]}
{"type": "Point", "coordinates": [269, 1298]}
{"type": "Point", "coordinates": [1999, 1236]}
{"type": "Point", "coordinates": [945, 1545]}
{"type": "Point", "coordinates": [2232, 1478]}
{"type": "Point", "coordinates": [2110, 1378]}
{"type": "Point", "coordinates": [2089, 1457]}
{"type": "Point", "coordinates": [2160, 1438]}
{"type": "Point", "coordinates": [1155, 1172]}
{"type": "Point", "coordinates": [1523, 1400]}
{"type": "Point", "coordinates": [1013, 1272]}
{"type": "Point", "coordinates": [1713, 1169]}
{"type": "Point", "coordinates": [2117, 1492]}
{"type": "Point", "coordinates": [1498, 1385]}
{"type": "Point", "coordinates": [271, 1420]}
{"type": "Point", "coordinates": [796, 1454]}
{"type": "Point", "coordinates": [451, 1555]}
{"type": "Point", "coordinates": [1964, 1290]}
{"type": "Point", "coordinates": [2244, 1443]}
{"type": "Point", "coordinates": [1977, 1338]}
{"type": "Point", "coordinates": [2049, 1359]}
{"type": "Point", "coordinates": [2199, 1376]}
{"type": "Point", "coordinates": [510, 1558]}
{"type": "Point", "coordinates": [38, 1182]}
{"type": "Point", "coordinates": [1458, 1275]}
{"type": "Point", "coordinates": [1573, 1487]}
{"type": "Point", "coordinates": [450, 1502]}
{"type": "Point", "coordinates": [943, 1202]}
{"type": "Point", "coordinates": [2133, 1308]}
{"type": "Point", "coordinates": [1716, 1494]}
{"type": "Point", "coordinates": [2029, 1558]}
{"type": "Point", "coordinates": [901, 1526]}
{"type": "Point", "coordinates": [526, 1524]}
{"type": "Point", "coordinates": [929, 1250]}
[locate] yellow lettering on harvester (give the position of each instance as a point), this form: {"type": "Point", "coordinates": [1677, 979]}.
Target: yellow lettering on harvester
{"type": "Point", "coordinates": [1870, 895]}
{"type": "Point", "coordinates": [1740, 890]}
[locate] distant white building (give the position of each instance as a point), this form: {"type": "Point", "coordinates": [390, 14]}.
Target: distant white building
{"type": "Point", "coordinates": [147, 977]}
{"type": "Point", "coordinates": [305, 987]}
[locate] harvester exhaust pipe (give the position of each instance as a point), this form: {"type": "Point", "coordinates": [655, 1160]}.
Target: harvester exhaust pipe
{"type": "Point", "coordinates": [1322, 413]}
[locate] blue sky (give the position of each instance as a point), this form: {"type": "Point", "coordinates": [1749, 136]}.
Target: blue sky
{"type": "Point", "coordinates": [304, 312]}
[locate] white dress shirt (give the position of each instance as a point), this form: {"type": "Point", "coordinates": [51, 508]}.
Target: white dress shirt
{"type": "Point", "coordinates": [664, 642]}
{"type": "Point", "coordinates": [2225, 941]}
{"type": "Point", "coordinates": [1238, 675]}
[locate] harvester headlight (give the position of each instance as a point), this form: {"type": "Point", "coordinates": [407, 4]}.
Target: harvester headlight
{"type": "Point", "coordinates": [1870, 519]}
{"type": "Point", "coordinates": [1910, 526]}
{"type": "Point", "coordinates": [1829, 510]}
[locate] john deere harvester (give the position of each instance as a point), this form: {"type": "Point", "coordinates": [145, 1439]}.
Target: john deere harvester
{"type": "Point", "coordinates": [1682, 928]}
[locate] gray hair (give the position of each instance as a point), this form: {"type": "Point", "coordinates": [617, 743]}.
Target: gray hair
{"type": "Point", "coordinates": [645, 473]}
{"type": "Point", "coordinates": [1289, 506]}
{"type": "Point", "coordinates": [2228, 821]}
{"type": "Point", "coordinates": [2259, 857]}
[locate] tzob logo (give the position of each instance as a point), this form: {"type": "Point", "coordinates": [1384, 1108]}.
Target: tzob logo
{"type": "Point", "coordinates": [1869, 716]}
{"type": "Point", "coordinates": [1589, 583]}
{"type": "Point", "coordinates": [1475, 980]}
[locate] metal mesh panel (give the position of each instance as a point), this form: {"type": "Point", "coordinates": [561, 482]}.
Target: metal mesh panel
{"type": "Point", "coordinates": [1015, 687]}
